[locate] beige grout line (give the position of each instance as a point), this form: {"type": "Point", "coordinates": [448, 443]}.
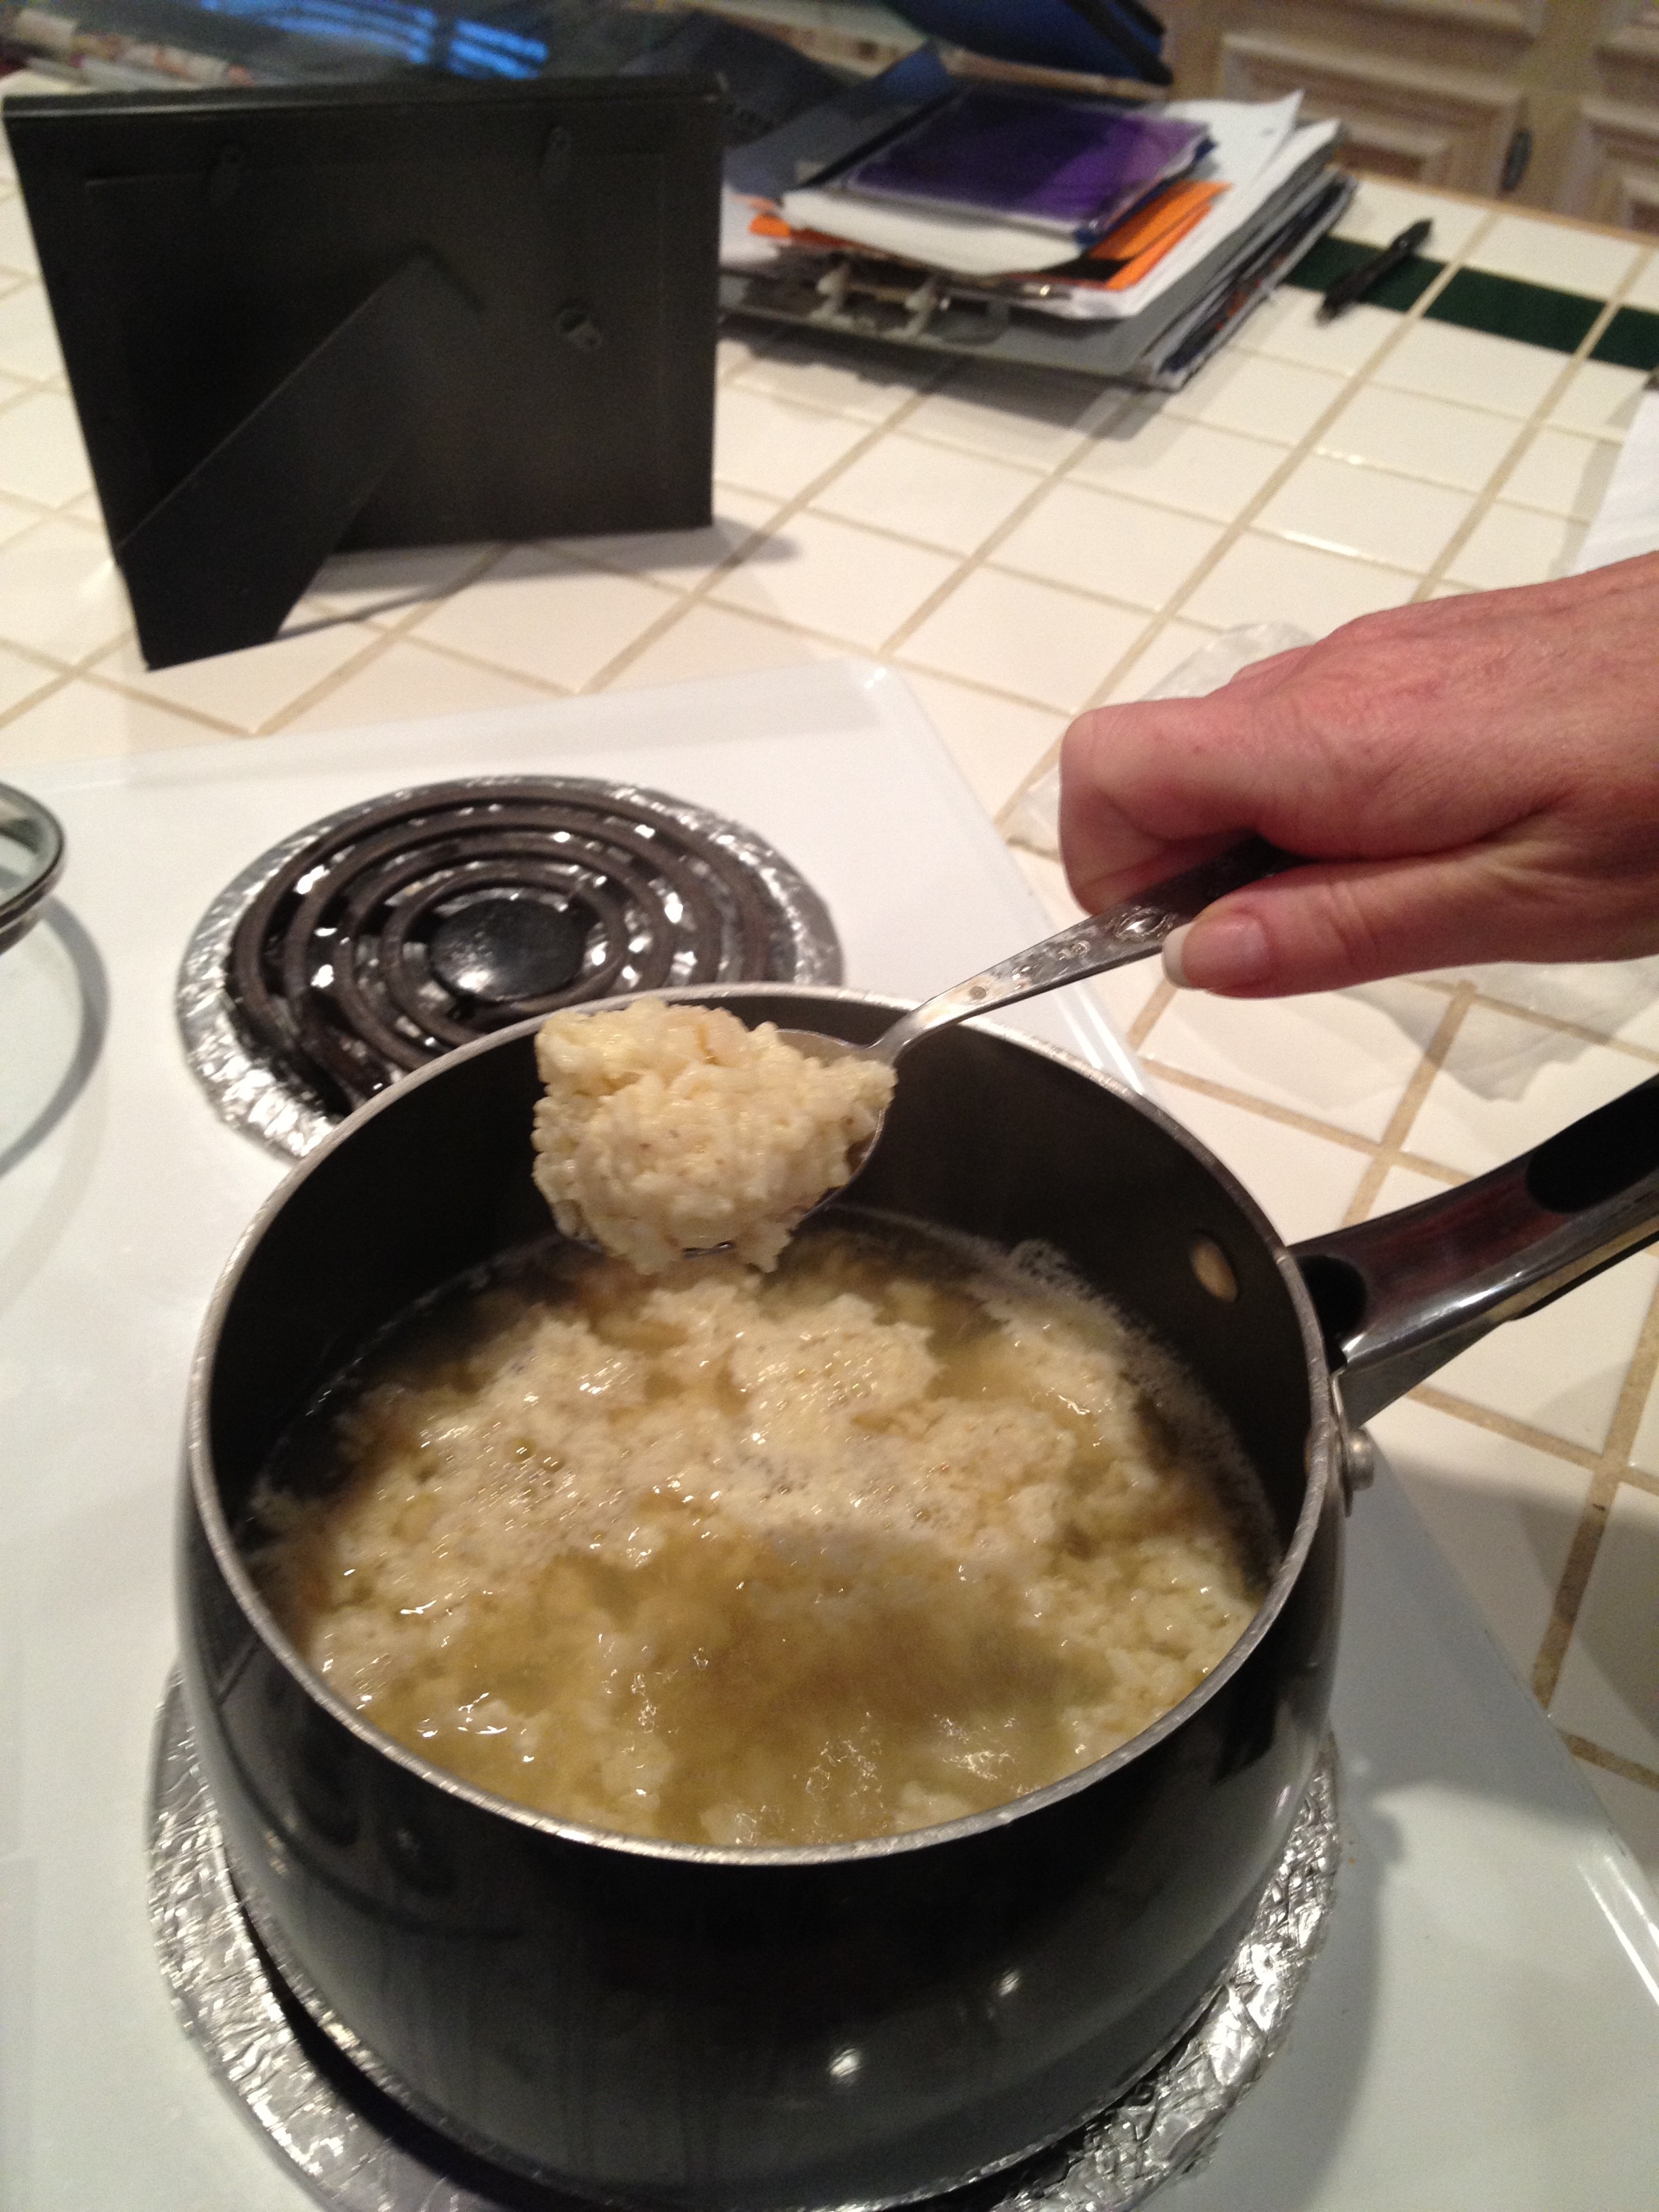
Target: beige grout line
{"type": "Point", "coordinates": [40, 511]}
{"type": "Point", "coordinates": [1111, 404]}
{"type": "Point", "coordinates": [59, 676]}
{"type": "Point", "coordinates": [696, 594]}
{"type": "Point", "coordinates": [1155, 619]}
{"type": "Point", "coordinates": [123, 688]}
{"type": "Point", "coordinates": [1382, 1153]}
{"type": "Point", "coordinates": [966, 562]}
{"type": "Point", "coordinates": [409, 608]}
{"type": "Point", "coordinates": [1146, 1020]}
{"type": "Point", "coordinates": [1506, 1425]}
{"type": "Point", "coordinates": [1612, 1762]}
{"type": "Point", "coordinates": [1390, 1146]}
{"type": "Point", "coordinates": [463, 658]}
{"type": "Point", "coordinates": [383, 635]}
{"type": "Point", "coordinates": [1575, 1578]}
{"type": "Point", "coordinates": [1579, 1030]}
{"type": "Point", "coordinates": [199, 715]}
{"type": "Point", "coordinates": [1613, 1465]}
{"type": "Point", "coordinates": [1418, 1164]}
{"type": "Point", "coordinates": [1639, 1374]}
{"type": "Point", "coordinates": [31, 387]}
{"type": "Point", "coordinates": [1308, 445]}
{"type": "Point", "coordinates": [1610, 1467]}
{"type": "Point", "coordinates": [1109, 407]}
{"type": "Point", "coordinates": [1182, 1078]}
{"type": "Point", "coordinates": [1492, 490]}
{"type": "Point", "coordinates": [787, 628]}
{"type": "Point", "coordinates": [378, 642]}
{"type": "Point", "coordinates": [620, 663]}
{"type": "Point", "coordinates": [1003, 817]}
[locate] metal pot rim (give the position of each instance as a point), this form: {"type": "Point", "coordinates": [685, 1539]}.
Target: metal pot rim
{"type": "Point", "coordinates": [36, 829]}
{"type": "Point", "coordinates": [1322, 1467]}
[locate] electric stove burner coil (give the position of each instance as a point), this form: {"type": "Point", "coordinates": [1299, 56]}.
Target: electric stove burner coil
{"type": "Point", "coordinates": [383, 936]}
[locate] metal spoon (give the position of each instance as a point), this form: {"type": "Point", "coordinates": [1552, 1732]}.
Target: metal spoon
{"type": "Point", "coordinates": [1109, 940]}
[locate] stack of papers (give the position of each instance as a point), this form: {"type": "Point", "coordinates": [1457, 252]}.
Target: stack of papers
{"type": "Point", "coordinates": [1127, 240]}
{"type": "Point", "coordinates": [1070, 169]}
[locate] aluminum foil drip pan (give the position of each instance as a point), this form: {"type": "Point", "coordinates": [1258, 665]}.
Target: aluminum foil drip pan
{"type": "Point", "coordinates": [357, 2153]}
{"type": "Point", "coordinates": [373, 941]}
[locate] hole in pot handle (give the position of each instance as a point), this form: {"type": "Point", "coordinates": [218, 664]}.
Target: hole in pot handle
{"type": "Point", "coordinates": [1399, 1296]}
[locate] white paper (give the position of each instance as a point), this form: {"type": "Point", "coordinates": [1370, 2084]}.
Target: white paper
{"type": "Point", "coordinates": [1245, 134]}
{"type": "Point", "coordinates": [1093, 303]}
{"type": "Point", "coordinates": [1256, 147]}
{"type": "Point", "coordinates": [739, 247]}
{"type": "Point", "coordinates": [1627, 521]}
{"type": "Point", "coordinates": [966, 245]}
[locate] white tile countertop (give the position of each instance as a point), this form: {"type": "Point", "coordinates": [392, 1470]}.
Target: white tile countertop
{"type": "Point", "coordinates": [1020, 547]}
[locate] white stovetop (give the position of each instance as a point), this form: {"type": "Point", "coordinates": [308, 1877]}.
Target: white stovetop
{"type": "Point", "coordinates": [1021, 545]}
{"type": "Point", "coordinates": [1484, 2027]}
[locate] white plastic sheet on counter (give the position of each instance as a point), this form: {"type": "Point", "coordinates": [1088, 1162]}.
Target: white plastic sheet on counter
{"type": "Point", "coordinates": [1033, 820]}
{"type": "Point", "coordinates": [1627, 521]}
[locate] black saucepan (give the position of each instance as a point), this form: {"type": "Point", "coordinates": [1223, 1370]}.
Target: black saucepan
{"type": "Point", "coordinates": [659, 2025]}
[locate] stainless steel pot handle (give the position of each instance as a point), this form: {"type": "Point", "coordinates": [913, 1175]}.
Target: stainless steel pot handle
{"type": "Point", "coordinates": [1399, 1296]}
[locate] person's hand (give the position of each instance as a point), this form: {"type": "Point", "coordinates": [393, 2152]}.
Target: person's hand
{"type": "Point", "coordinates": [1474, 779]}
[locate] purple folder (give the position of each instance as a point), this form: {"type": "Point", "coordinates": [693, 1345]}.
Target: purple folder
{"type": "Point", "coordinates": [1067, 165]}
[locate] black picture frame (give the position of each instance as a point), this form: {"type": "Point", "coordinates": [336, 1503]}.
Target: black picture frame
{"type": "Point", "coordinates": [296, 318]}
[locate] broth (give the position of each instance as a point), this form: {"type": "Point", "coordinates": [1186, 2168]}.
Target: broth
{"type": "Point", "coordinates": [897, 1532]}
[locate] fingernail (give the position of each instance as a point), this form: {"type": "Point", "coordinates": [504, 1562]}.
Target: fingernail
{"type": "Point", "coordinates": [1228, 954]}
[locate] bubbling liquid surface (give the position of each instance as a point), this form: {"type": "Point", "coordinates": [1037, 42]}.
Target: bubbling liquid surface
{"type": "Point", "coordinates": [898, 1532]}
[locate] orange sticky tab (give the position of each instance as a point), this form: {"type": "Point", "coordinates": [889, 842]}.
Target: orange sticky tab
{"type": "Point", "coordinates": [1132, 271]}
{"type": "Point", "coordinates": [1169, 214]}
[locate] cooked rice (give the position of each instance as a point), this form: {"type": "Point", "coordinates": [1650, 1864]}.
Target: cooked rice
{"type": "Point", "coordinates": [855, 1547]}
{"type": "Point", "coordinates": [668, 1129]}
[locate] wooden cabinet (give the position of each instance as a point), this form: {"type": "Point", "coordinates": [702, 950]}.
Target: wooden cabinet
{"type": "Point", "coordinates": [1422, 120]}
{"type": "Point", "coordinates": [1555, 102]}
{"type": "Point", "coordinates": [1612, 166]}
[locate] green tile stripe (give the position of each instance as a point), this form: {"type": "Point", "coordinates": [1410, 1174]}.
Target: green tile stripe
{"type": "Point", "coordinates": [1505, 307]}
{"type": "Point", "coordinates": [1321, 264]}
{"type": "Point", "coordinates": [1479, 300]}
{"type": "Point", "coordinates": [1631, 340]}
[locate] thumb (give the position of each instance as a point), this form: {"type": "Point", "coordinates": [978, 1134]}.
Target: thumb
{"type": "Point", "coordinates": [1323, 927]}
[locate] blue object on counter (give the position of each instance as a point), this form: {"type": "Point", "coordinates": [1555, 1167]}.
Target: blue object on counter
{"type": "Point", "coordinates": [809, 148]}
{"type": "Point", "coordinates": [1095, 37]}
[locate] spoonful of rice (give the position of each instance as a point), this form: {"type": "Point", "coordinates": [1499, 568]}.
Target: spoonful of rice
{"type": "Point", "coordinates": [674, 1129]}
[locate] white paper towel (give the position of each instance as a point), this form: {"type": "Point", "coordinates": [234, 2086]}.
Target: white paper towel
{"type": "Point", "coordinates": [1627, 521]}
